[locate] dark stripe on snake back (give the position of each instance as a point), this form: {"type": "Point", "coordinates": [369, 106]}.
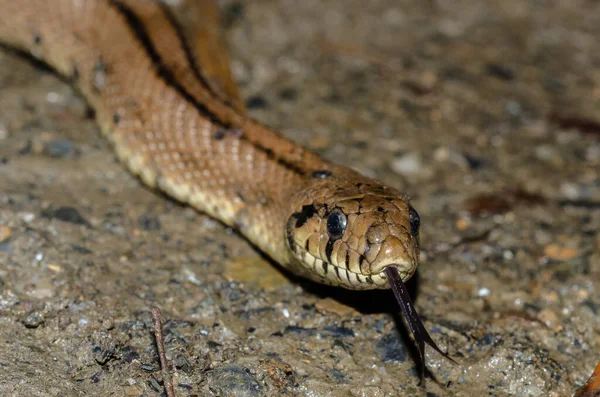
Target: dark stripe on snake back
{"type": "Point", "coordinates": [140, 32]}
{"type": "Point", "coordinates": [189, 54]}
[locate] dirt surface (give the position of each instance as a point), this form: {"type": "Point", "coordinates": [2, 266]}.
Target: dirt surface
{"type": "Point", "coordinates": [486, 113]}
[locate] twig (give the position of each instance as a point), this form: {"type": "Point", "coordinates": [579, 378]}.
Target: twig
{"type": "Point", "coordinates": [160, 344]}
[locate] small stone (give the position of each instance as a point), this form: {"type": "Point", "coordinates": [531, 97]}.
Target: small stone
{"type": "Point", "coordinates": [408, 164]}
{"type": "Point", "coordinates": [551, 319]}
{"type": "Point", "coordinates": [463, 224]}
{"type": "Point", "coordinates": [182, 363]}
{"type": "Point", "coordinates": [545, 152]}
{"type": "Point", "coordinates": [104, 351]}
{"type": "Point", "coordinates": [55, 268]}
{"type": "Point", "coordinates": [5, 233]}
{"type": "Point", "coordinates": [483, 292]}
{"type": "Point", "coordinates": [390, 348]}
{"type": "Point", "coordinates": [570, 191]}
{"type": "Point", "coordinates": [338, 332]}
{"type": "Point", "coordinates": [592, 153]}
{"type": "Point", "coordinates": [233, 380]}
{"type": "Point", "coordinates": [559, 253]}
{"type": "Point", "coordinates": [150, 367]}
{"type": "Point", "coordinates": [149, 223]}
{"type": "Point", "coordinates": [33, 320]}
{"type": "Point", "coordinates": [65, 214]}
{"type": "Point", "coordinates": [256, 102]}
{"type": "Point", "coordinates": [59, 147]}
{"type": "Point", "coordinates": [27, 217]}
{"type": "Point", "coordinates": [133, 391]}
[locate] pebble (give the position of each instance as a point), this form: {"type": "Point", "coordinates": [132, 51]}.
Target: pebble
{"type": "Point", "coordinates": [27, 217]}
{"type": "Point", "coordinates": [149, 223]}
{"type": "Point", "coordinates": [570, 191]}
{"type": "Point", "coordinates": [133, 391]}
{"type": "Point", "coordinates": [462, 224]}
{"type": "Point", "coordinates": [66, 214]}
{"type": "Point", "coordinates": [551, 319]}
{"type": "Point", "coordinates": [390, 348]}
{"type": "Point", "coordinates": [59, 147]}
{"type": "Point", "coordinates": [104, 351]}
{"type": "Point", "coordinates": [559, 253]}
{"type": "Point", "coordinates": [592, 153]}
{"type": "Point", "coordinates": [55, 268]}
{"type": "Point", "coordinates": [408, 164]}
{"type": "Point", "coordinates": [33, 319]}
{"type": "Point", "coordinates": [483, 292]}
{"type": "Point", "coordinates": [233, 380]}
{"type": "Point", "coordinates": [5, 233]}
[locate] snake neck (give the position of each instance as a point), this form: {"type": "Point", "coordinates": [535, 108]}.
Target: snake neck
{"type": "Point", "coordinates": [165, 120]}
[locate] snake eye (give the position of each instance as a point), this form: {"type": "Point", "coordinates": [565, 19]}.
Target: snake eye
{"type": "Point", "coordinates": [415, 221]}
{"type": "Point", "coordinates": [336, 224]}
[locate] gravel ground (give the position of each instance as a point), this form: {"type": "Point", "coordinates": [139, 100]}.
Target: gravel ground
{"type": "Point", "coordinates": [484, 112]}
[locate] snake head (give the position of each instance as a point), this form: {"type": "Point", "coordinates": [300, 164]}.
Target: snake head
{"type": "Point", "coordinates": [348, 235]}
{"type": "Point", "coordinates": [363, 235]}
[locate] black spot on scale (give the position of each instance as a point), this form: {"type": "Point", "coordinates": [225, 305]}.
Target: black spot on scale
{"type": "Point", "coordinates": [325, 266]}
{"type": "Point", "coordinates": [321, 174]}
{"type": "Point", "coordinates": [337, 272]}
{"type": "Point", "coordinates": [369, 280]}
{"type": "Point", "coordinates": [307, 212]}
{"type": "Point", "coordinates": [290, 239]}
{"type": "Point", "coordinates": [329, 248]}
{"type": "Point", "coordinates": [361, 259]}
{"type": "Point", "coordinates": [116, 118]}
{"type": "Point", "coordinates": [37, 39]}
{"type": "Point", "coordinates": [219, 135]}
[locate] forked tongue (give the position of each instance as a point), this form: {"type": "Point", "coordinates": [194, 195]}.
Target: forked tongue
{"type": "Point", "coordinates": [412, 318]}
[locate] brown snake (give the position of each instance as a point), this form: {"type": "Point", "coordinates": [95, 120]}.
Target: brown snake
{"type": "Point", "coordinates": [181, 134]}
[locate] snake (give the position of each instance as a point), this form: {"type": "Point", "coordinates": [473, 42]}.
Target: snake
{"type": "Point", "coordinates": [171, 123]}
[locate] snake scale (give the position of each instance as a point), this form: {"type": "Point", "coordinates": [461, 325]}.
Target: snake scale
{"type": "Point", "coordinates": [173, 127]}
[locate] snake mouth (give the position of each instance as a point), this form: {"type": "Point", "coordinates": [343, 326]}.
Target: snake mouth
{"type": "Point", "coordinates": [412, 317]}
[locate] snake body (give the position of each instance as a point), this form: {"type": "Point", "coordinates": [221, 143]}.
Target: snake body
{"type": "Point", "coordinates": [169, 125]}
